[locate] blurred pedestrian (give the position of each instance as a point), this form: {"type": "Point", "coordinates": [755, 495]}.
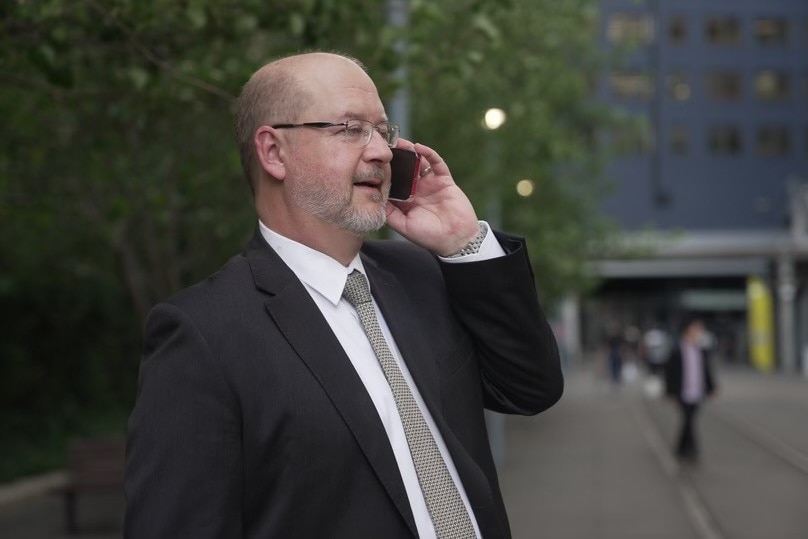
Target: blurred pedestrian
{"type": "Point", "coordinates": [656, 348]}
{"type": "Point", "coordinates": [689, 380]}
{"type": "Point", "coordinates": [614, 344]}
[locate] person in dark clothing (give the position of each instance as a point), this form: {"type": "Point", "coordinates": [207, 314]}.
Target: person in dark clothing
{"type": "Point", "coordinates": [689, 380]}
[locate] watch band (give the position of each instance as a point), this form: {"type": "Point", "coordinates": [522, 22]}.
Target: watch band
{"type": "Point", "coordinates": [474, 245]}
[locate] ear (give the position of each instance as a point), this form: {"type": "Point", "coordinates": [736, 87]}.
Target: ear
{"type": "Point", "coordinates": [268, 151]}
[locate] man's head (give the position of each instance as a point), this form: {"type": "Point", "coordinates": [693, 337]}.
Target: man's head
{"type": "Point", "coordinates": [303, 172]}
{"type": "Point", "coordinates": [692, 329]}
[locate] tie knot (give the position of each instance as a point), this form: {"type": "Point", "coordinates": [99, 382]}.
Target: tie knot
{"type": "Point", "coordinates": [356, 289]}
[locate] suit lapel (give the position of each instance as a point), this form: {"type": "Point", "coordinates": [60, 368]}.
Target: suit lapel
{"type": "Point", "coordinates": [296, 315]}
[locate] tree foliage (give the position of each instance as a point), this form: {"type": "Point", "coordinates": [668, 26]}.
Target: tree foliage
{"type": "Point", "coordinates": [119, 175]}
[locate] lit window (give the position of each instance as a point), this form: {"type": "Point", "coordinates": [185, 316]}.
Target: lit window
{"type": "Point", "coordinates": [631, 28]}
{"type": "Point", "coordinates": [724, 85]}
{"type": "Point", "coordinates": [678, 87]}
{"type": "Point", "coordinates": [677, 30]}
{"type": "Point", "coordinates": [771, 31]}
{"type": "Point", "coordinates": [773, 141]}
{"type": "Point", "coordinates": [725, 140]}
{"type": "Point", "coordinates": [771, 85]}
{"type": "Point", "coordinates": [680, 141]}
{"type": "Point", "coordinates": [631, 85]}
{"type": "Point", "coordinates": [723, 31]}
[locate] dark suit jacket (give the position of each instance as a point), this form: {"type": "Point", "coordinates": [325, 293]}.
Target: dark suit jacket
{"type": "Point", "coordinates": [250, 420]}
{"type": "Point", "coordinates": [674, 373]}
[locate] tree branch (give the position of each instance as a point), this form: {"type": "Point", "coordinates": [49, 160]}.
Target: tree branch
{"type": "Point", "coordinates": [153, 58]}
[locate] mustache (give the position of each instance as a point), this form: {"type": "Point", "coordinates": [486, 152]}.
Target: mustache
{"type": "Point", "coordinates": [376, 174]}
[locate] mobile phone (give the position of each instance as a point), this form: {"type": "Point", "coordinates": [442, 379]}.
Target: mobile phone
{"type": "Point", "coordinates": [404, 170]}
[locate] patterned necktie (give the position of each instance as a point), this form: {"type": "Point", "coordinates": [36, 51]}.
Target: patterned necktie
{"type": "Point", "coordinates": [443, 501]}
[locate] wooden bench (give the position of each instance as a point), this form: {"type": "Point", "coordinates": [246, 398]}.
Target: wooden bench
{"type": "Point", "coordinates": [93, 464]}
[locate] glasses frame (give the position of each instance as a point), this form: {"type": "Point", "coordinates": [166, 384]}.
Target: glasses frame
{"type": "Point", "coordinates": [391, 139]}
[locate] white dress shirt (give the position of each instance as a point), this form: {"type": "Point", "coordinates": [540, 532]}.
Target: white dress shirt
{"type": "Point", "coordinates": [324, 279]}
{"type": "Point", "coordinates": [692, 373]}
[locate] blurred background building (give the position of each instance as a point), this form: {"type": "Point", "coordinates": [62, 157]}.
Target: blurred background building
{"type": "Point", "coordinates": [711, 184]}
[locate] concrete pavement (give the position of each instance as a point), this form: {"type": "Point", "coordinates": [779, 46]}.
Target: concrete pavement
{"type": "Point", "coordinates": [599, 464]}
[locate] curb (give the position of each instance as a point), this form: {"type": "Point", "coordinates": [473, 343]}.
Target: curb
{"type": "Point", "coordinates": [32, 486]}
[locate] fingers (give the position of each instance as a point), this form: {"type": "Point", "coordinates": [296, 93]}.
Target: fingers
{"type": "Point", "coordinates": [431, 162]}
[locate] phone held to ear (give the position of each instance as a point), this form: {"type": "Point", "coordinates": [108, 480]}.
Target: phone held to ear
{"type": "Point", "coordinates": [404, 171]}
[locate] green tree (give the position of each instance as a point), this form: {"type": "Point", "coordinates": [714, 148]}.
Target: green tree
{"type": "Point", "coordinates": [119, 175]}
{"type": "Point", "coordinates": [538, 61]}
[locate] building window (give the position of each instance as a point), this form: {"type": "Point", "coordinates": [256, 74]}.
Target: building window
{"type": "Point", "coordinates": [723, 31]}
{"type": "Point", "coordinates": [635, 137]}
{"type": "Point", "coordinates": [771, 85]}
{"type": "Point", "coordinates": [677, 30]}
{"type": "Point", "coordinates": [680, 140]}
{"type": "Point", "coordinates": [725, 140]}
{"type": "Point", "coordinates": [631, 85]}
{"type": "Point", "coordinates": [773, 141]}
{"type": "Point", "coordinates": [678, 86]}
{"type": "Point", "coordinates": [631, 28]}
{"type": "Point", "coordinates": [724, 85]}
{"type": "Point", "coordinates": [771, 31]}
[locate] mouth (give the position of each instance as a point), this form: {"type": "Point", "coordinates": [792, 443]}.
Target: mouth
{"type": "Point", "coordinates": [369, 183]}
{"type": "Point", "coordinates": [373, 182]}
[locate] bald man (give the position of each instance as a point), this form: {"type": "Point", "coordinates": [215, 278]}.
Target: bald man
{"type": "Point", "coordinates": [321, 385]}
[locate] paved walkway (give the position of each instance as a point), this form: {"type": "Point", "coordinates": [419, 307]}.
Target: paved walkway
{"type": "Point", "coordinates": [585, 470]}
{"type": "Point", "coordinates": [598, 466]}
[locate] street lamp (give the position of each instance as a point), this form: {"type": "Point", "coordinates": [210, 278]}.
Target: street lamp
{"type": "Point", "coordinates": [525, 187]}
{"type": "Point", "coordinates": [493, 119]}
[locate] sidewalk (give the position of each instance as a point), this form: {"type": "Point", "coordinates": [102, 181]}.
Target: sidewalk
{"type": "Point", "coordinates": [598, 465]}
{"type": "Point", "coordinates": [584, 470]}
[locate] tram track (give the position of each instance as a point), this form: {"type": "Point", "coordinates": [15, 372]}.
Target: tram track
{"type": "Point", "coordinates": [754, 447]}
{"type": "Point", "coordinates": [764, 438]}
{"type": "Point", "coordinates": [694, 505]}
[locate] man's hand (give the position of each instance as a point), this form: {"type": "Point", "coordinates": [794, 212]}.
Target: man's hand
{"type": "Point", "coordinates": [439, 217]}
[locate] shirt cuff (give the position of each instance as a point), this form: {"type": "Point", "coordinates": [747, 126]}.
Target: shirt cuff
{"type": "Point", "coordinates": [490, 248]}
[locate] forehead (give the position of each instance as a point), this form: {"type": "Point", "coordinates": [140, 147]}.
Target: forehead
{"type": "Point", "coordinates": [341, 89]}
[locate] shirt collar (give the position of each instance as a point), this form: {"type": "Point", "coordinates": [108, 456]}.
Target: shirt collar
{"type": "Point", "coordinates": [316, 269]}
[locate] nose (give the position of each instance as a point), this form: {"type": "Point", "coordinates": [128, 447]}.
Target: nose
{"type": "Point", "coordinates": [377, 149]}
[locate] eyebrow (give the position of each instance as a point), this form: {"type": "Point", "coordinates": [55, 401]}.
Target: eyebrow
{"type": "Point", "coordinates": [349, 115]}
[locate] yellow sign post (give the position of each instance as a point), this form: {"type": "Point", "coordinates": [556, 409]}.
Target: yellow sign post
{"type": "Point", "coordinates": [761, 324]}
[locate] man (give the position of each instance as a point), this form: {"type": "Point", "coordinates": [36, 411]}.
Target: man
{"type": "Point", "coordinates": [689, 380]}
{"type": "Point", "coordinates": [277, 399]}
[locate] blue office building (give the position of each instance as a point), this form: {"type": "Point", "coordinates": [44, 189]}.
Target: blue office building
{"type": "Point", "coordinates": [711, 176]}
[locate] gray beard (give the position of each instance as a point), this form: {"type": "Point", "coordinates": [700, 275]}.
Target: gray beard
{"type": "Point", "coordinates": [339, 211]}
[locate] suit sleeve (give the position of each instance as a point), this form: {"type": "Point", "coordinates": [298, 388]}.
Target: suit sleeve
{"type": "Point", "coordinates": [518, 357]}
{"type": "Point", "coordinates": [183, 470]}
{"type": "Point", "coordinates": [673, 374]}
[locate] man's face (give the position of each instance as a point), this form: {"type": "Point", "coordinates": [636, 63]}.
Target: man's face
{"type": "Point", "coordinates": [696, 333]}
{"type": "Point", "coordinates": [340, 183]}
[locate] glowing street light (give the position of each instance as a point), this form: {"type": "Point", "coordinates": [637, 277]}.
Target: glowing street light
{"type": "Point", "coordinates": [494, 118]}
{"type": "Point", "coordinates": [525, 187]}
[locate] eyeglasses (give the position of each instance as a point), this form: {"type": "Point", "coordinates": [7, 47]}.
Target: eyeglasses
{"type": "Point", "coordinates": [356, 132]}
